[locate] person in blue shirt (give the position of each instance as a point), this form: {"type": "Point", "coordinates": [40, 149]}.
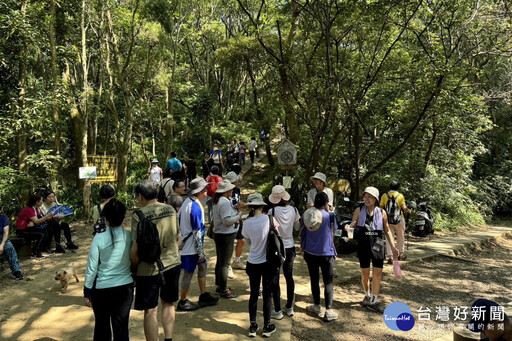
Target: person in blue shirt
{"type": "Point", "coordinates": [174, 163]}
{"type": "Point", "coordinates": [108, 286]}
{"type": "Point", "coordinates": [7, 249]}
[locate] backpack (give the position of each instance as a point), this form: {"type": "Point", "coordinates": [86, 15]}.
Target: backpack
{"type": "Point", "coordinates": [276, 253]}
{"type": "Point", "coordinates": [148, 242]}
{"type": "Point", "coordinates": [161, 192]}
{"type": "Point", "coordinates": [392, 209]}
{"type": "Point", "coordinates": [214, 182]}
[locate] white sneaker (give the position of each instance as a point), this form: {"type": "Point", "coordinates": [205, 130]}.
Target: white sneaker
{"type": "Point", "coordinates": [315, 309]}
{"type": "Point", "coordinates": [231, 275]}
{"type": "Point", "coordinates": [278, 315]}
{"type": "Point", "coordinates": [288, 311]}
{"type": "Point", "coordinates": [238, 265]}
{"type": "Point", "coordinates": [330, 315]}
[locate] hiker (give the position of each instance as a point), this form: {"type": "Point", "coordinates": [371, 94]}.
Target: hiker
{"type": "Point", "coordinates": [394, 204]}
{"type": "Point", "coordinates": [243, 149]}
{"type": "Point", "coordinates": [192, 229]}
{"type": "Point", "coordinates": [287, 218]}
{"type": "Point", "coordinates": [174, 164]}
{"type": "Point", "coordinates": [224, 219]}
{"type": "Point", "coordinates": [7, 249]}
{"type": "Point", "coordinates": [147, 277]}
{"type": "Point", "coordinates": [216, 156]}
{"type": "Point", "coordinates": [107, 192]}
{"type": "Point", "coordinates": [176, 199]}
{"type": "Point", "coordinates": [206, 165]}
{"type": "Point", "coordinates": [155, 172]}
{"type": "Point", "coordinates": [371, 223]}
{"type": "Point", "coordinates": [56, 224]}
{"type": "Point", "coordinates": [240, 241]}
{"type": "Point", "coordinates": [320, 182]}
{"type": "Point", "coordinates": [108, 285]}
{"type": "Point", "coordinates": [213, 180]}
{"type": "Point", "coordinates": [252, 149]}
{"type": "Point", "coordinates": [256, 230]}
{"type": "Point", "coordinates": [317, 243]}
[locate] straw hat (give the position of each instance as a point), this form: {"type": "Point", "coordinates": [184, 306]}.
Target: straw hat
{"type": "Point", "coordinates": [278, 193]}
{"type": "Point", "coordinates": [313, 219]}
{"type": "Point", "coordinates": [224, 186]}
{"type": "Point", "coordinates": [197, 186]}
{"type": "Point", "coordinates": [319, 176]}
{"type": "Point", "coordinates": [374, 192]}
{"type": "Point", "coordinates": [255, 199]}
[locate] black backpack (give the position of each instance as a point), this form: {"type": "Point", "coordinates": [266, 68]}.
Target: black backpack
{"type": "Point", "coordinates": [148, 242]}
{"type": "Point", "coordinates": [161, 197]}
{"type": "Point", "coordinates": [276, 253]}
{"type": "Point", "coordinates": [392, 209]}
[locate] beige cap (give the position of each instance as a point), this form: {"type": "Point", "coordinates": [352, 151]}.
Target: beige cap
{"type": "Point", "coordinates": [374, 192]}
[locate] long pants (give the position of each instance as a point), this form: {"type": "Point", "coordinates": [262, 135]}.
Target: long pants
{"type": "Point", "coordinates": [251, 154]}
{"type": "Point", "coordinates": [57, 227]}
{"type": "Point", "coordinates": [39, 235]}
{"type": "Point", "coordinates": [290, 283]}
{"type": "Point", "coordinates": [257, 273]}
{"type": "Point", "coordinates": [398, 232]}
{"type": "Point", "coordinates": [111, 308]}
{"type": "Point", "coordinates": [326, 263]}
{"type": "Point", "coordinates": [224, 249]}
{"type": "Point", "coordinates": [242, 159]}
{"type": "Point", "coordinates": [12, 256]}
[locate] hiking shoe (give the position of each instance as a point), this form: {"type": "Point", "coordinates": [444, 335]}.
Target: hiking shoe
{"type": "Point", "coordinates": [366, 301]}
{"type": "Point", "coordinates": [206, 300]}
{"type": "Point", "coordinates": [330, 315]}
{"type": "Point", "coordinates": [315, 309]}
{"type": "Point", "coordinates": [376, 307]}
{"type": "Point", "coordinates": [238, 266]}
{"type": "Point", "coordinates": [59, 249]}
{"type": "Point", "coordinates": [402, 257]}
{"type": "Point", "coordinates": [390, 261]}
{"type": "Point", "coordinates": [17, 275]}
{"type": "Point", "coordinates": [72, 246]}
{"type": "Point", "coordinates": [288, 311]}
{"type": "Point", "coordinates": [268, 330]}
{"type": "Point", "coordinates": [253, 329]}
{"type": "Point", "coordinates": [277, 315]}
{"type": "Point", "coordinates": [187, 306]}
{"type": "Point", "coordinates": [228, 294]}
{"type": "Point", "coordinates": [231, 275]}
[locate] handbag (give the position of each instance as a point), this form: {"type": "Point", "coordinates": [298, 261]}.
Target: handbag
{"type": "Point", "coordinates": [396, 268]}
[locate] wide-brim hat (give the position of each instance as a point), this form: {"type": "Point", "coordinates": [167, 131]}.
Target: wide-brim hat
{"type": "Point", "coordinates": [319, 176]}
{"type": "Point", "coordinates": [255, 199]}
{"type": "Point", "coordinates": [215, 148]}
{"type": "Point", "coordinates": [313, 219]}
{"type": "Point", "coordinates": [278, 193]}
{"type": "Point", "coordinates": [374, 192]}
{"type": "Point", "coordinates": [224, 186]}
{"type": "Point", "coordinates": [232, 177]}
{"type": "Point", "coordinates": [155, 160]}
{"type": "Point", "coordinates": [197, 186]}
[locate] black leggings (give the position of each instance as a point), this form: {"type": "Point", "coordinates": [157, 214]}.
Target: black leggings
{"type": "Point", "coordinates": [326, 263]}
{"type": "Point", "coordinates": [39, 235]}
{"type": "Point", "coordinates": [111, 308]}
{"type": "Point", "coordinates": [290, 283]}
{"type": "Point", "coordinates": [58, 226]}
{"type": "Point", "coordinates": [256, 273]}
{"type": "Point", "coordinates": [224, 249]}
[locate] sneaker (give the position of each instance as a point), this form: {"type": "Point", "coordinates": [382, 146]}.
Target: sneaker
{"type": "Point", "coordinates": [268, 330]}
{"type": "Point", "coordinates": [206, 300]}
{"type": "Point", "coordinates": [330, 315]}
{"type": "Point", "coordinates": [288, 311]}
{"type": "Point", "coordinates": [277, 315]}
{"type": "Point", "coordinates": [59, 249]}
{"type": "Point", "coordinates": [17, 275]}
{"type": "Point", "coordinates": [315, 309]}
{"type": "Point", "coordinates": [402, 257]}
{"type": "Point", "coordinates": [390, 261]}
{"type": "Point", "coordinates": [376, 307]}
{"type": "Point", "coordinates": [72, 246]}
{"type": "Point", "coordinates": [366, 301]}
{"type": "Point", "coordinates": [228, 294]}
{"type": "Point", "coordinates": [231, 275]}
{"type": "Point", "coordinates": [253, 329]}
{"type": "Point", "coordinates": [187, 306]}
{"type": "Point", "coordinates": [48, 252]}
{"type": "Point", "coordinates": [238, 266]}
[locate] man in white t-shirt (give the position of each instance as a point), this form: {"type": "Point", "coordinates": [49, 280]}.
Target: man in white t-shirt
{"type": "Point", "coordinates": [320, 182]}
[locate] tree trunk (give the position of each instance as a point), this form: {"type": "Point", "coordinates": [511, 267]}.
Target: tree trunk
{"type": "Point", "coordinates": [169, 122]}
{"type": "Point", "coordinates": [21, 135]}
{"type": "Point", "coordinates": [55, 103]}
{"type": "Point", "coordinates": [82, 151]}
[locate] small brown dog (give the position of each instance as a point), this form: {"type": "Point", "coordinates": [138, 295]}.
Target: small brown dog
{"type": "Point", "coordinates": [64, 276]}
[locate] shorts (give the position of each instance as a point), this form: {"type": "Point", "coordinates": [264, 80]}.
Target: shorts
{"type": "Point", "coordinates": [189, 262]}
{"type": "Point", "coordinates": [148, 288]}
{"type": "Point", "coordinates": [239, 232]}
{"type": "Point", "coordinates": [364, 261]}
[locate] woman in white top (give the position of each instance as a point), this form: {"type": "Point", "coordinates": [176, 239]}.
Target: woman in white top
{"type": "Point", "coordinates": [287, 218]}
{"type": "Point", "coordinates": [154, 172]}
{"type": "Point", "coordinates": [217, 158]}
{"type": "Point", "coordinates": [255, 231]}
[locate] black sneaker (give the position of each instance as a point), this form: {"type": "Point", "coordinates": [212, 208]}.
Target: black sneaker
{"type": "Point", "coordinates": [206, 300]}
{"type": "Point", "coordinates": [72, 246]}
{"type": "Point", "coordinates": [228, 294]}
{"type": "Point", "coordinates": [17, 275]}
{"type": "Point", "coordinates": [59, 249]}
{"type": "Point", "coordinates": [376, 307]}
{"type": "Point", "coordinates": [187, 306]}
{"type": "Point", "coordinates": [253, 329]}
{"type": "Point", "coordinates": [268, 330]}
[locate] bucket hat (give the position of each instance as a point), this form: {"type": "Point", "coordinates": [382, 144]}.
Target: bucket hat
{"type": "Point", "coordinates": [197, 185]}
{"type": "Point", "coordinates": [313, 219]}
{"type": "Point", "coordinates": [374, 192]}
{"type": "Point", "coordinates": [224, 186]}
{"type": "Point", "coordinates": [319, 176]}
{"type": "Point", "coordinates": [278, 193]}
{"type": "Point", "coordinates": [255, 199]}
{"type": "Point", "coordinates": [155, 160]}
{"type": "Point", "coordinates": [232, 177]}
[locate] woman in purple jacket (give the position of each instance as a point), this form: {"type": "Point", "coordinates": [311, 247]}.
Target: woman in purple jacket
{"type": "Point", "coordinates": [317, 242]}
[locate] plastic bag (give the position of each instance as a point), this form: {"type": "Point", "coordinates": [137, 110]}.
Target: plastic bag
{"type": "Point", "coordinates": [396, 268]}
